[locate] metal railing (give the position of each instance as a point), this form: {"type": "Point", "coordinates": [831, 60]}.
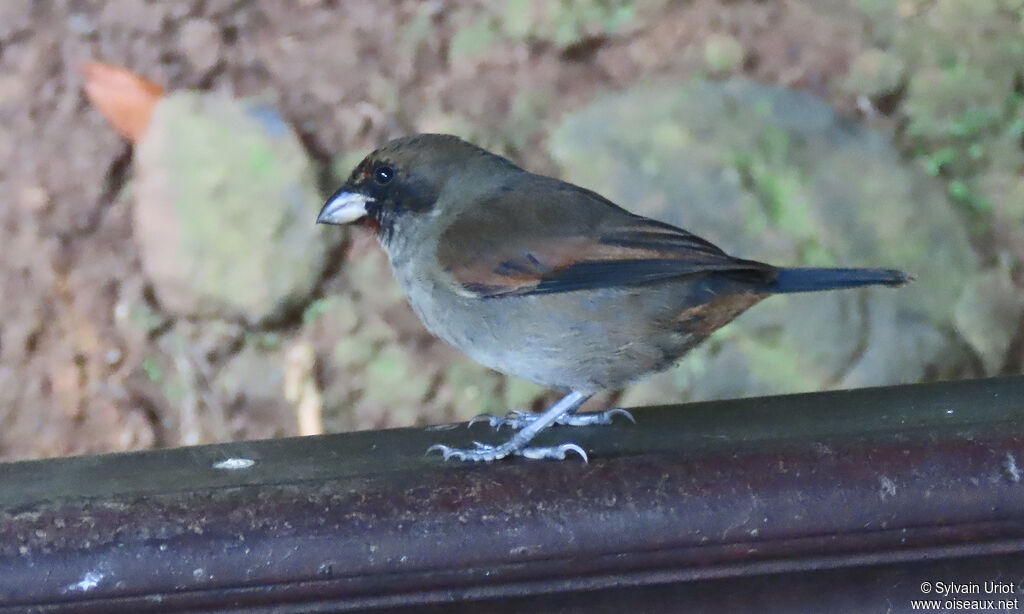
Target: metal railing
{"type": "Point", "coordinates": [835, 501]}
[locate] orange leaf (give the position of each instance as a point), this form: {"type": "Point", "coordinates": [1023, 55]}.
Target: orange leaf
{"type": "Point", "coordinates": [127, 101]}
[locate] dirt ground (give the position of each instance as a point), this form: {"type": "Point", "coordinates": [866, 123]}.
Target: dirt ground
{"type": "Point", "coordinates": [344, 73]}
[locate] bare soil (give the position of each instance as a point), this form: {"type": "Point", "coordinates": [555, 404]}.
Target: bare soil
{"type": "Point", "coordinates": [72, 379]}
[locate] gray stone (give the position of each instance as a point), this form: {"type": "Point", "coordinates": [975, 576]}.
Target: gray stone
{"type": "Point", "coordinates": [201, 41]}
{"type": "Point", "coordinates": [775, 175]}
{"type": "Point", "coordinates": [875, 73]}
{"type": "Point", "coordinates": [987, 316]}
{"type": "Point", "coordinates": [224, 216]}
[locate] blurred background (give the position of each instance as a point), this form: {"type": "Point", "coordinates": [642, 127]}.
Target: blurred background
{"type": "Point", "coordinates": [174, 290]}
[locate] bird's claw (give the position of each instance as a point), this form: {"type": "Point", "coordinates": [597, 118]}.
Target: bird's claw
{"type": "Point", "coordinates": [446, 452]}
{"type": "Point", "coordinates": [483, 452]}
{"type": "Point", "coordinates": [606, 416]}
{"type": "Point", "coordinates": [554, 452]}
{"type": "Point", "coordinates": [494, 421]}
{"type": "Point", "coordinates": [515, 419]}
{"type": "Point", "coordinates": [518, 419]}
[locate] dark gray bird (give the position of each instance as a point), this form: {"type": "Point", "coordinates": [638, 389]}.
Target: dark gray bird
{"type": "Point", "coordinates": [550, 282]}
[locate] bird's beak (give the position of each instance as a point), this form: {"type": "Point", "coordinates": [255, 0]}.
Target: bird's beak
{"type": "Point", "coordinates": [344, 208]}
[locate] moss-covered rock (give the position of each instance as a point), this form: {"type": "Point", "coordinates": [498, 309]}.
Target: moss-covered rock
{"type": "Point", "coordinates": [563, 23]}
{"type": "Point", "coordinates": [776, 175]}
{"type": "Point", "coordinates": [963, 59]}
{"type": "Point", "coordinates": [987, 315]}
{"type": "Point", "coordinates": [875, 73]}
{"type": "Point", "coordinates": [225, 209]}
{"type": "Point", "coordinates": [723, 53]}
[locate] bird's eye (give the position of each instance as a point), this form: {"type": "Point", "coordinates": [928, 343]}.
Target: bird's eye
{"type": "Point", "coordinates": [383, 174]}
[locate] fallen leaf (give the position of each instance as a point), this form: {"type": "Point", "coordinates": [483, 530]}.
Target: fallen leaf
{"type": "Point", "coordinates": [126, 100]}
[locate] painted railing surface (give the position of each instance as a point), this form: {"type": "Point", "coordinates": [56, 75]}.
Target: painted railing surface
{"type": "Point", "coordinates": [861, 500]}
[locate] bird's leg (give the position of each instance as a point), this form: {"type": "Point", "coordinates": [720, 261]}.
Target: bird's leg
{"type": "Point", "coordinates": [518, 445]}
{"type": "Point", "coordinates": [517, 418]}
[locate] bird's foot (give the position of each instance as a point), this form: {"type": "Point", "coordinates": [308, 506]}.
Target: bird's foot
{"type": "Point", "coordinates": [487, 453]}
{"type": "Point", "coordinates": [517, 419]}
{"type": "Point", "coordinates": [519, 444]}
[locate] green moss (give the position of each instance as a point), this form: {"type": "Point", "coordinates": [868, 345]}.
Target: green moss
{"type": "Point", "coordinates": [990, 306]}
{"type": "Point", "coordinates": [723, 53]}
{"type": "Point", "coordinates": [343, 165]}
{"type": "Point", "coordinates": [394, 381]}
{"type": "Point", "coordinates": [521, 394]}
{"type": "Point", "coordinates": [775, 360]}
{"type": "Point", "coordinates": [956, 102]}
{"type": "Point", "coordinates": [517, 18]}
{"type": "Point", "coordinates": [174, 391]}
{"type": "Point", "coordinates": [353, 351]}
{"type": "Point", "coordinates": [874, 73]}
{"type": "Point", "coordinates": [233, 187]}
{"type": "Point", "coordinates": [144, 319]}
{"type": "Point", "coordinates": [964, 59]}
{"type": "Point", "coordinates": [570, 21]}
{"type": "Point", "coordinates": [472, 40]}
{"type": "Point", "coordinates": [777, 175]}
{"type": "Point", "coordinates": [943, 158]}
{"type": "Point", "coordinates": [339, 309]}
{"type": "Point", "coordinates": [784, 191]}
{"type": "Point", "coordinates": [151, 367]}
{"type": "Point", "coordinates": [314, 311]}
{"type": "Point", "coordinates": [564, 23]}
{"type": "Point", "coordinates": [474, 389]}
{"type": "Point", "coordinates": [696, 364]}
{"type": "Point", "coordinates": [525, 118]}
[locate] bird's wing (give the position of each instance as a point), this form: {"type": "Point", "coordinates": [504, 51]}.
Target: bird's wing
{"type": "Point", "coordinates": [577, 240]}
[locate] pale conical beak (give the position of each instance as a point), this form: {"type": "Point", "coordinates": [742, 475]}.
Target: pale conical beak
{"type": "Point", "coordinates": [344, 208]}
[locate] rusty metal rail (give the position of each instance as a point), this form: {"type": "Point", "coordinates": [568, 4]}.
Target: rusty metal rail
{"type": "Point", "coordinates": [839, 501]}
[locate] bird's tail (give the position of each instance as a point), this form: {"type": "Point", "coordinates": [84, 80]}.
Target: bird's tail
{"type": "Point", "coordinates": [815, 279]}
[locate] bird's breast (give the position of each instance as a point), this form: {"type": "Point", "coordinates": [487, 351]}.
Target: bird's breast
{"type": "Point", "coordinates": [586, 340]}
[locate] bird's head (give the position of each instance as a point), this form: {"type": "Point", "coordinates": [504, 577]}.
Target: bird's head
{"type": "Point", "coordinates": [412, 177]}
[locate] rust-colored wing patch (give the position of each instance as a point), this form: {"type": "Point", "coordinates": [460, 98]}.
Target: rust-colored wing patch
{"type": "Point", "coordinates": [703, 319]}
{"type": "Point", "coordinates": [543, 236]}
{"type": "Point", "coordinates": [567, 264]}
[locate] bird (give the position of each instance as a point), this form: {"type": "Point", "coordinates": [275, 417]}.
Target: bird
{"type": "Point", "coordinates": [548, 281]}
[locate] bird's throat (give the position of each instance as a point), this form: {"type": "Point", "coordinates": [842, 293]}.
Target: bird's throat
{"type": "Point", "coordinates": [372, 223]}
